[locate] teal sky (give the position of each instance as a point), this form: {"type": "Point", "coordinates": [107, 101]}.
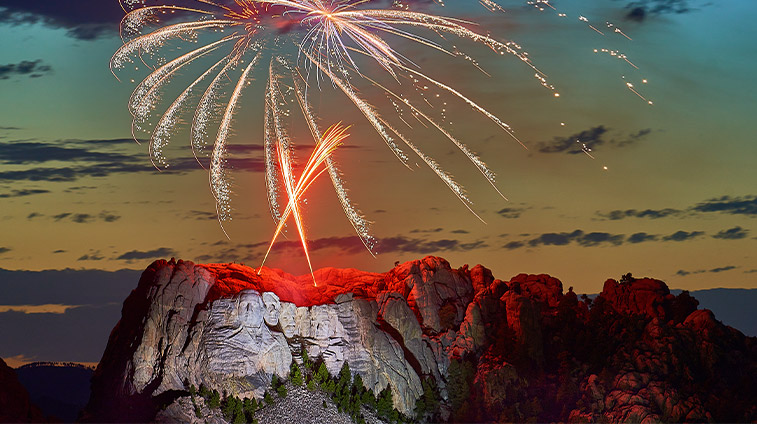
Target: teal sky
{"type": "Point", "coordinates": [677, 201]}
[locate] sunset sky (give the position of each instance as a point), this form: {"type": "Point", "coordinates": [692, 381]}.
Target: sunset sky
{"type": "Point", "coordinates": [670, 193]}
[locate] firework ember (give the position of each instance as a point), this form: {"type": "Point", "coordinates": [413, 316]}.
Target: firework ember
{"type": "Point", "coordinates": [300, 45]}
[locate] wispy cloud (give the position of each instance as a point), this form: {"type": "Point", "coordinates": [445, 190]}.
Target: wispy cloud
{"type": "Point", "coordinates": [30, 68]}
{"type": "Point", "coordinates": [599, 238]}
{"type": "Point", "coordinates": [684, 273]}
{"type": "Point", "coordinates": [83, 19]}
{"type": "Point", "coordinates": [510, 213]}
{"type": "Point", "coordinates": [744, 205]}
{"type": "Point", "coordinates": [22, 193]}
{"type": "Point", "coordinates": [683, 235]}
{"type": "Point", "coordinates": [589, 140]}
{"type": "Point", "coordinates": [734, 233]}
{"type": "Point", "coordinates": [162, 252]}
{"type": "Point", "coordinates": [634, 213]}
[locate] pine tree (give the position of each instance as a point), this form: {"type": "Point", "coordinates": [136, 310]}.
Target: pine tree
{"type": "Point", "coordinates": [282, 391]}
{"type": "Point", "coordinates": [249, 406]}
{"type": "Point", "coordinates": [385, 404]}
{"type": "Point", "coordinates": [345, 377]}
{"type": "Point", "coordinates": [295, 375]}
{"type": "Point", "coordinates": [204, 392]}
{"type": "Point", "coordinates": [214, 400]}
{"type": "Point", "coordinates": [357, 385]}
{"type": "Point", "coordinates": [322, 375]}
{"type": "Point", "coordinates": [268, 398]}
{"type": "Point", "coordinates": [311, 385]}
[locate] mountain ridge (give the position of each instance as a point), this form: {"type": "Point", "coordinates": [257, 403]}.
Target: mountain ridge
{"type": "Point", "coordinates": [497, 350]}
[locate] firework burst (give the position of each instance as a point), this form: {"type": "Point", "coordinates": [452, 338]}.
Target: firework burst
{"type": "Point", "coordinates": [298, 44]}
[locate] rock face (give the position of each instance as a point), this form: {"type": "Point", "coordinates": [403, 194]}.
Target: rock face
{"type": "Point", "coordinates": [498, 351]}
{"type": "Point", "coordinates": [15, 405]}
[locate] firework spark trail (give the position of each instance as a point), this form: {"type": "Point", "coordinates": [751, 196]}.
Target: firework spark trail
{"type": "Point", "coordinates": [271, 174]}
{"type": "Point", "coordinates": [368, 111]}
{"type": "Point", "coordinates": [328, 143]}
{"type": "Point", "coordinates": [167, 122]}
{"type": "Point", "coordinates": [470, 102]}
{"type": "Point", "coordinates": [154, 40]}
{"type": "Point", "coordinates": [473, 157]}
{"type": "Point", "coordinates": [146, 96]}
{"type": "Point", "coordinates": [356, 218]}
{"type": "Point", "coordinates": [283, 144]}
{"type": "Point", "coordinates": [619, 55]}
{"type": "Point", "coordinates": [219, 182]}
{"type": "Point", "coordinates": [380, 123]}
{"type": "Point", "coordinates": [203, 113]}
{"type": "Point", "coordinates": [333, 30]}
{"type": "Point", "coordinates": [139, 104]}
{"type": "Point", "coordinates": [132, 23]}
{"type": "Point", "coordinates": [456, 188]}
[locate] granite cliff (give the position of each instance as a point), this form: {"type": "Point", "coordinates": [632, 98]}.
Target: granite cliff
{"type": "Point", "coordinates": [518, 350]}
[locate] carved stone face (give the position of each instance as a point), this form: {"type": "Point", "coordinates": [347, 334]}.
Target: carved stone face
{"type": "Point", "coordinates": [250, 308]}
{"type": "Point", "coordinates": [287, 319]}
{"type": "Point", "coordinates": [320, 322]}
{"type": "Point", "coordinates": [272, 307]}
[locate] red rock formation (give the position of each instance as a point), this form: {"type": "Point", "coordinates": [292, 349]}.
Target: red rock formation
{"type": "Point", "coordinates": [500, 351]}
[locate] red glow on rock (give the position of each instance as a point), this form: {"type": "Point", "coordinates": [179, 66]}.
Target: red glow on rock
{"type": "Point", "coordinates": [233, 278]}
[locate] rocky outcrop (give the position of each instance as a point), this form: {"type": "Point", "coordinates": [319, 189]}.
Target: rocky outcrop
{"type": "Point", "coordinates": [15, 405]}
{"type": "Point", "coordinates": [496, 350]}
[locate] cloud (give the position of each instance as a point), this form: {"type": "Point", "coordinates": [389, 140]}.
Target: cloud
{"type": "Point", "coordinates": [22, 193]}
{"type": "Point", "coordinates": [31, 68]}
{"type": "Point", "coordinates": [684, 273]}
{"type": "Point", "coordinates": [150, 254]}
{"type": "Point", "coordinates": [510, 213]}
{"type": "Point", "coordinates": [66, 286]}
{"type": "Point", "coordinates": [79, 218]}
{"type": "Point", "coordinates": [514, 245]}
{"type": "Point", "coordinates": [588, 141]}
{"type": "Point", "coordinates": [82, 19]}
{"type": "Point", "coordinates": [433, 230]}
{"type": "Point", "coordinates": [641, 237]}
{"type": "Point", "coordinates": [79, 334]}
{"type": "Point", "coordinates": [84, 160]}
{"type": "Point", "coordinates": [21, 153]}
{"type": "Point", "coordinates": [92, 256]}
{"type": "Point", "coordinates": [682, 235]}
{"type": "Point", "coordinates": [633, 213]}
{"type": "Point", "coordinates": [746, 205]}
{"type": "Point", "coordinates": [734, 233]}
{"type": "Point", "coordinates": [460, 232]}
{"type": "Point", "coordinates": [597, 238]}
{"type": "Point", "coordinates": [639, 10]}
{"type": "Point", "coordinates": [4, 250]}
{"type": "Point", "coordinates": [578, 237]}
{"type": "Point", "coordinates": [201, 215]}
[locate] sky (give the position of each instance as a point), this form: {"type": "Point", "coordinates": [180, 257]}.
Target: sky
{"type": "Point", "coordinates": [668, 191]}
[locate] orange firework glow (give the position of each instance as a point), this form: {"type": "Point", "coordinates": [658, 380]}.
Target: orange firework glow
{"type": "Point", "coordinates": [329, 142]}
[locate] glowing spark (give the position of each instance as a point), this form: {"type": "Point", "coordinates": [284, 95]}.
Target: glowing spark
{"type": "Point", "coordinates": [332, 138]}
{"type": "Point", "coordinates": [330, 37]}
